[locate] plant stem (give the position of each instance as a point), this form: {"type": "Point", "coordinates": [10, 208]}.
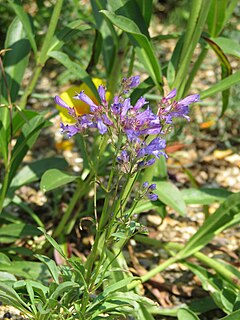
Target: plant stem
{"type": "Point", "coordinates": [113, 79]}
{"type": "Point", "coordinates": [81, 189]}
{"type": "Point", "coordinates": [43, 53]}
{"type": "Point", "coordinates": [153, 272]}
{"type": "Point", "coordinates": [197, 18]}
{"type": "Point", "coordinates": [172, 247]}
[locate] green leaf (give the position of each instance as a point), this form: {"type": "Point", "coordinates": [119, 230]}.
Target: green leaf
{"type": "Point", "coordinates": [185, 314]}
{"type": "Point", "coordinates": [55, 178]}
{"type": "Point", "coordinates": [223, 294]}
{"type": "Point", "coordinates": [66, 286]}
{"type": "Point", "coordinates": [28, 136]}
{"type": "Point", "coordinates": [10, 297]}
{"type": "Point", "coordinates": [11, 232]}
{"type": "Point", "coordinates": [3, 137]}
{"type": "Point", "coordinates": [233, 316]}
{"type": "Point", "coordinates": [65, 35]}
{"type": "Point", "coordinates": [221, 85]}
{"type": "Point", "coordinates": [4, 259]}
{"type": "Point", "coordinates": [228, 46]}
{"type": "Point", "coordinates": [15, 60]}
{"type": "Point", "coordinates": [75, 69]}
{"type": "Point", "coordinates": [27, 270]}
{"type": "Point", "coordinates": [216, 16]}
{"type": "Point", "coordinates": [26, 22]}
{"type": "Point", "coordinates": [226, 70]}
{"type": "Point", "coordinates": [53, 243]}
{"type": "Point", "coordinates": [33, 171]}
{"type": "Point", "coordinates": [51, 265]}
{"type": "Point", "coordinates": [141, 43]}
{"type": "Point", "coordinates": [204, 196]}
{"type": "Point", "coordinates": [108, 34]}
{"type": "Point", "coordinates": [169, 194]}
{"type": "Point", "coordinates": [224, 217]}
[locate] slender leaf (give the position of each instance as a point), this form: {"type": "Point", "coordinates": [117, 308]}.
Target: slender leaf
{"type": "Point", "coordinates": [3, 137]}
{"type": "Point", "coordinates": [26, 22]}
{"type": "Point", "coordinates": [55, 178]}
{"type": "Point", "coordinates": [217, 222]}
{"type": "Point", "coordinates": [204, 196]}
{"type": "Point", "coordinates": [65, 35]}
{"type": "Point", "coordinates": [109, 36]}
{"type": "Point", "coordinates": [186, 314]}
{"type": "Point", "coordinates": [51, 265]}
{"type": "Point", "coordinates": [10, 297]}
{"type": "Point", "coordinates": [221, 85]}
{"type": "Point", "coordinates": [15, 60]}
{"type": "Point", "coordinates": [29, 135]}
{"type": "Point", "coordinates": [142, 45]}
{"type": "Point", "coordinates": [233, 316]}
{"type": "Point", "coordinates": [33, 171]}
{"type": "Point", "coordinates": [11, 232]}
{"type": "Point", "coordinates": [216, 16]}
{"type": "Point", "coordinates": [228, 46]}
{"type": "Point", "coordinates": [226, 70]}
{"type": "Point", "coordinates": [75, 68]}
{"type": "Point", "coordinates": [169, 194]}
{"type": "Point", "coordinates": [53, 243]}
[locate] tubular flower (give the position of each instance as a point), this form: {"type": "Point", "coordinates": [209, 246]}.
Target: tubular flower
{"type": "Point", "coordinates": [79, 106]}
{"type": "Point", "coordinates": [177, 109]}
{"type": "Point", "coordinates": [142, 132]}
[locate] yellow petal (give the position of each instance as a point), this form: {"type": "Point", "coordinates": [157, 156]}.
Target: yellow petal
{"type": "Point", "coordinates": [80, 106]}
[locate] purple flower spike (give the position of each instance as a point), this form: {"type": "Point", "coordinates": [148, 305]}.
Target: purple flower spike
{"type": "Point", "coordinates": [134, 81]}
{"type": "Point", "coordinates": [154, 148]}
{"type": "Point", "coordinates": [140, 103]}
{"type": "Point", "coordinates": [130, 83]}
{"type": "Point", "coordinates": [102, 94]}
{"type": "Point", "coordinates": [188, 100]}
{"type": "Point", "coordinates": [101, 126]}
{"type": "Point", "coordinates": [152, 196]}
{"type": "Point", "coordinates": [71, 130]}
{"type": "Point", "coordinates": [171, 94]}
{"type": "Point", "coordinates": [152, 186]}
{"type": "Point", "coordinates": [61, 103]}
{"type": "Point", "coordinates": [82, 96]}
{"type": "Point", "coordinates": [145, 185]}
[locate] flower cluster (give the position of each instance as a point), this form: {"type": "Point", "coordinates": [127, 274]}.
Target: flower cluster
{"type": "Point", "coordinates": [140, 130]}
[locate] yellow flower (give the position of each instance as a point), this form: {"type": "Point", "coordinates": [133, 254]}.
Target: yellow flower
{"type": "Point", "coordinates": [79, 106]}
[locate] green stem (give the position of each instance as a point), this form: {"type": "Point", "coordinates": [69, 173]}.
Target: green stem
{"type": "Point", "coordinates": [114, 76]}
{"type": "Point", "coordinates": [43, 53]}
{"type": "Point", "coordinates": [4, 188]}
{"type": "Point", "coordinates": [194, 70]}
{"type": "Point", "coordinates": [172, 247]}
{"type": "Point", "coordinates": [81, 190]}
{"type": "Point", "coordinates": [197, 20]}
{"type": "Point", "coordinates": [153, 272]}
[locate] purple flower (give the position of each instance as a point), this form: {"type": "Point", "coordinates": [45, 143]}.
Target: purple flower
{"type": "Point", "coordinates": [130, 83]}
{"type": "Point", "coordinates": [82, 96]}
{"type": "Point", "coordinates": [123, 157]}
{"type": "Point", "coordinates": [145, 185]}
{"type": "Point", "coordinates": [71, 130]}
{"type": "Point", "coordinates": [152, 187]}
{"type": "Point", "coordinates": [171, 94]}
{"type": "Point", "coordinates": [98, 117]}
{"type": "Point", "coordinates": [167, 110]}
{"type": "Point", "coordinates": [152, 196]}
{"type": "Point", "coordinates": [102, 94]}
{"type": "Point", "coordinates": [189, 99]}
{"type": "Point", "coordinates": [154, 148]}
{"type": "Point", "coordinates": [61, 103]}
{"type": "Point", "coordinates": [140, 103]}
